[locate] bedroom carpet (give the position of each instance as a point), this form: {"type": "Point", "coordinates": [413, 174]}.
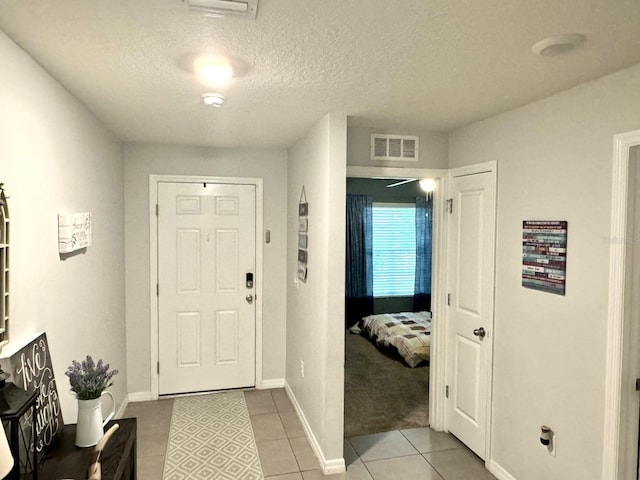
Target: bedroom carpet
{"type": "Point", "coordinates": [211, 437]}
{"type": "Point", "coordinates": [381, 393]}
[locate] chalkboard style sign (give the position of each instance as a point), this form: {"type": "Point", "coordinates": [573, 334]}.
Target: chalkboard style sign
{"type": "Point", "coordinates": [32, 371]}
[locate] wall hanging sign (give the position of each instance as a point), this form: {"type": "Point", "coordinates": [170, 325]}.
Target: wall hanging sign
{"type": "Point", "coordinates": [74, 231]}
{"type": "Point", "coordinates": [544, 255]}
{"type": "Point", "coordinates": [303, 239]}
{"type": "Point", "coordinates": [31, 369]}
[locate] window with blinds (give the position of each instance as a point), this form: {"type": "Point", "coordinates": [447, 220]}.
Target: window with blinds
{"type": "Point", "coordinates": [394, 249]}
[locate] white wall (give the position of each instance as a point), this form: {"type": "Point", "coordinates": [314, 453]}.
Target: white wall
{"type": "Point", "coordinates": [315, 310]}
{"type": "Point", "coordinates": [141, 160]}
{"type": "Point", "coordinates": [554, 163]}
{"type": "Point", "coordinates": [56, 157]}
{"type": "Point", "coordinates": [433, 148]}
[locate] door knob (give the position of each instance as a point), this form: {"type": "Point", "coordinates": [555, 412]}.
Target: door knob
{"type": "Point", "coordinates": [480, 332]}
{"type": "Point", "coordinates": [249, 298]}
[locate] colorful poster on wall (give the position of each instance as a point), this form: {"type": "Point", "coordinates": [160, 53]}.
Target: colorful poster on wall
{"type": "Point", "coordinates": [544, 255]}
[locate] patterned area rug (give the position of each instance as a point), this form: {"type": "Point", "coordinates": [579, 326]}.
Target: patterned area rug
{"type": "Point", "coordinates": [211, 438]}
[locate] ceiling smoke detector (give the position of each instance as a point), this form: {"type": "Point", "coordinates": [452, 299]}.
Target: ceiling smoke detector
{"type": "Point", "coordinates": [213, 99]}
{"type": "Point", "coordinates": [558, 45]}
{"type": "Point", "coordinates": [221, 8]}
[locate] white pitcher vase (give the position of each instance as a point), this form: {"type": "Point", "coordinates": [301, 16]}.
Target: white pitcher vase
{"type": "Point", "coordinates": [90, 427]}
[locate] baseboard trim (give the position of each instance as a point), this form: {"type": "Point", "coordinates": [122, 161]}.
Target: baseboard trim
{"type": "Point", "coordinates": [329, 467]}
{"type": "Point", "coordinates": [140, 397]}
{"type": "Point", "coordinates": [499, 472]}
{"type": "Point", "coordinates": [270, 383]}
{"type": "Point", "coordinates": [335, 466]}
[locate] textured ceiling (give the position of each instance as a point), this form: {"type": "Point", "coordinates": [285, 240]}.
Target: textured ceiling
{"type": "Point", "coordinates": [418, 64]}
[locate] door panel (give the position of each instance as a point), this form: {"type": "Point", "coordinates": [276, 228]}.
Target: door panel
{"type": "Point", "coordinates": [188, 260]}
{"type": "Point", "coordinates": [227, 337]}
{"type": "Point", "coordinates": [188, 333]}
{"type": "Point", "coordinates": [206, 246]}
{"type": "Point", "coordinates": [472, 236]}
{"type": "Point", "coordinates": [226, 246]}
{"type": "Point", "coordinates": [466, 392]}
{"type": "Point", "coordinates": [469, 249]}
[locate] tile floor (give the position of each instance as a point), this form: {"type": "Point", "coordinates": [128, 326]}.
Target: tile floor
{"type": "Point", "coordinates": [285, 453]}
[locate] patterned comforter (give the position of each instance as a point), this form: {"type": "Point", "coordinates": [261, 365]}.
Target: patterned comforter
{"type": "Point", "coordinates": [408, 332]}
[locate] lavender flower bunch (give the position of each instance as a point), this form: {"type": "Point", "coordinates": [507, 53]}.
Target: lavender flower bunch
{"type": "Point", "coordinates": [88, 379]}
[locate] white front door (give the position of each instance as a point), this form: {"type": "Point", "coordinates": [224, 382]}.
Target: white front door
{"type": "Point", "coordinates": [470, 314]}
{"type": "Point", "coordinates": [206, 304]}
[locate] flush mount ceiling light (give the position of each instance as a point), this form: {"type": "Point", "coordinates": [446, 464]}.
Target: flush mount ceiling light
{"type": "Point", "coordinates": [213, 99]}
{"type": "Point", "coordinates": [217, 73]}
{"type": "Point", "coordinates": [558, 45]}
{"type": "Point", "coordinates": [215, 69]}
{"type": "Point", "coordinates": [221, 8]}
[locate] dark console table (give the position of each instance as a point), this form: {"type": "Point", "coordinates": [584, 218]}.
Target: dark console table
{"type": "Point", "coordinates": [118, 461]}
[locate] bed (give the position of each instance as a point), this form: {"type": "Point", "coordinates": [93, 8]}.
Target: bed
{"type": "Point", "coordinates": [407, 332]}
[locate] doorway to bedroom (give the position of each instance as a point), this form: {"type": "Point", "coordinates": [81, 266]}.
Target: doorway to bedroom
{"type": "Point", "coordinates": [388, 305]}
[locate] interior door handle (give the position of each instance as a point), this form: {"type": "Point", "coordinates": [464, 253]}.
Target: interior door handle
{"type": "Point", "coordinates": [480, 332]}
{"type": "Point", "coordinates": [249, 298]}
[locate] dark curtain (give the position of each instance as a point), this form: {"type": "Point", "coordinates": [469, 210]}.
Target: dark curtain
{"type": "Point", "coordinates": [424, 222]}
{"type": "Point", "coordinates": [359, 270]}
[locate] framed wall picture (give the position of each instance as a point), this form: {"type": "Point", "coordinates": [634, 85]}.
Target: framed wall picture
{"type": "Point", "coordinates": [303, 238]}
{"type": "Point", "coordinates": [544, 255]}
{"type": "Point", "coordinates": [302, 272]}
{"type": "Point", "coordinates": [74, 231]}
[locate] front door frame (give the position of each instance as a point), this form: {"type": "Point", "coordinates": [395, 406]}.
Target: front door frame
{"type": "Point", "coordinates": [438, 295]}
{"type": "Point", "coordinates": [615, 416]}
{"type": "Point", "coordinates": [154, 180]}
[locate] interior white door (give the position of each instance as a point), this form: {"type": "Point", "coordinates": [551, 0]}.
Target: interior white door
{"type": "Point", "coordinates": [470, 313]}
{"type": "Point", "coordinates": [630, 398]}
{"type": "Point", "coordinates": [206, 304]}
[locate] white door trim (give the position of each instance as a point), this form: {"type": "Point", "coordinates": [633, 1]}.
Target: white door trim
{"type": "Point", "coordinates": [487, 167]}
{"type": "Point", "coordinates": [154, 180]}
{"type": "Point", "coordinates": [438, 295]}
{"type": "Point", "coordinates": [613, 414]}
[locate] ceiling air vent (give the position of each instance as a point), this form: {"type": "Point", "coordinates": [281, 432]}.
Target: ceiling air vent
{"type": "Point", "coordinates": [221, 8]}
{"type": "Point", "coordinates": [400, 148]}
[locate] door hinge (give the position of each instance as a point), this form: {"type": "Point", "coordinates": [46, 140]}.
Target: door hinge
{"type": "Point", "coordinates": [446, 391]}
{"type": "Point", "coordinates": [157, 209]}
{"type": "Point", "coordinates": [450, 205]}
{"type": "Point", "coordinates": [637, 384]}
{"type": "Point", "coordinates": [448, 299]}
{"type": "Point", "coordinates": [158, 367]}
{"type": "Point", "coordinates": [157, 289]}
